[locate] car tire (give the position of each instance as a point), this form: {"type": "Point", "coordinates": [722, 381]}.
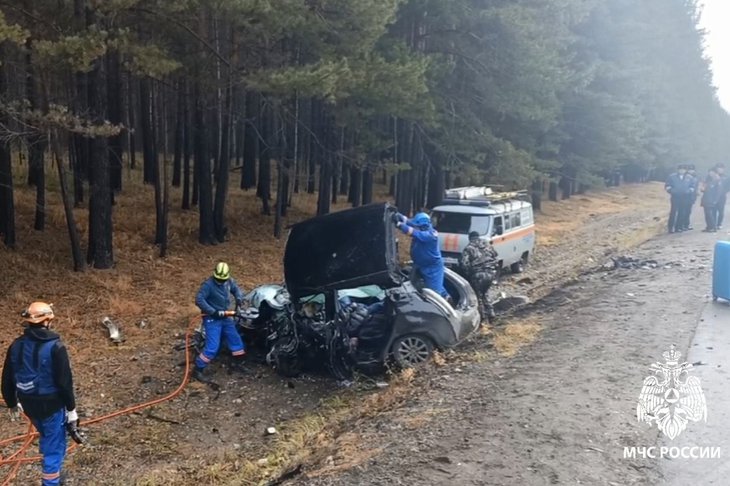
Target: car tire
{"type": "Point", "coordinates": [411, 350]}
{"type": "Point", "coordinates": [519, 267]}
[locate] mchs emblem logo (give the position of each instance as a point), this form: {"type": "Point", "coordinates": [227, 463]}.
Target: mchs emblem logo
{"type": "Point", "coordinates": [670, 397]}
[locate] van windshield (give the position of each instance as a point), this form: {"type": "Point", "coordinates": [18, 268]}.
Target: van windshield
{"type": "Point", "coordinates": [460, 223]}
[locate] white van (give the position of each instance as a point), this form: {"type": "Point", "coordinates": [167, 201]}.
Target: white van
{"type": "Point", "coordinates": [505, 219]}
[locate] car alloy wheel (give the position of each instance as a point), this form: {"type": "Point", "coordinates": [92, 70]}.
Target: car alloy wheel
{"type": "Point", "coordinates": [411, 350]}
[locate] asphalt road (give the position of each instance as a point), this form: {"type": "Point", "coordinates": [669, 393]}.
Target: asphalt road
{"type": "Point", "coordinates": [563, 411]}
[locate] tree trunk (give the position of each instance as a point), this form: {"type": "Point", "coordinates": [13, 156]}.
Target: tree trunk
{"type": "Point", "coordinates": [325, 178]}
{"type": "Point", "coordinates": [282, 157]}
{"type": "Point", "coordinates": [206, 234]}
{"type": "Point", "coordinates": [356, 186]}
{"type": "Point", "coordinates": [553, 191]}
{"type": "Point", "coordinates": [263, 190]}
{"type": "Point", "coordinates": [158, 115]}
{"type": "Point", "coordinates": [147, 142]}
{"type": "Point", "coordinates": [36, 145]}
{"type": "Point", "coordinates": [221, 187]}
{"type": "Point", "coordinates": [73, 233]}
{"type": "Point", "coordinates": [536, 195]}
{"type": "Point", "coordinates": [116, 150]}
{"type": "Point", "coordinates": [100, 254]}
{"type": "Point", "coordinates": [367, 186]}
{"type": "Point", "coordinates": [163, 201]}
{"type": "Point", "coordinates": [82, 144]}
{"type": "Point", "coordinates": [186, 148]}
{"type": "Point", "coordinates": [436, 186]}
{"type": "Point", "coordinates": [179, 139]}
{"type": "Point", "coordinates": [131, 137]}
{"type": "Point", "coordinates": [165, 206]}
{"type": "Point", "coordinates": [296, 142]}
{"type": "Point", "coordinates": [250, 141]}
{"type": "Point", "coordinates": [314, 147]}
{"type": "Point", "coordinates": [565, 187]}
{"type": "Point", "coordinates": [7, 205]}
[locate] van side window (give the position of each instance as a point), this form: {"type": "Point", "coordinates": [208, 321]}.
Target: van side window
{"type": "Point", "coordinates": [498, 228]}
{"type": "Point", "coordinates": [526, 217]}
{"type": "Point", "coordinates": [506, 222]}
{"type": "Point", "coordinates": [515, 220]}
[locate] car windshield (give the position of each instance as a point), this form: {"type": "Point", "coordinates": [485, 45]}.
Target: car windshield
{"type": "Point", "coordinates": [460, 223]}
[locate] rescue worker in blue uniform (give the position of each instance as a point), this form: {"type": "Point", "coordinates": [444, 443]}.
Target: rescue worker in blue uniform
{"type": "Point", "coordinates": [213, 299]}
{"type": "Point", "coordinates": [425, 250]}
{"type": "Point", "coordinates": [37, 380]}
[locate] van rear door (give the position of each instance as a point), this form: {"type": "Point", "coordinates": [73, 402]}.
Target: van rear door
{"type": "Point", "coordinates": [453, 230]}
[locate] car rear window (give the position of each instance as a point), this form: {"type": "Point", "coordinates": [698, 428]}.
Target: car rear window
{"type": "Point", "coordinates": [460, 223]}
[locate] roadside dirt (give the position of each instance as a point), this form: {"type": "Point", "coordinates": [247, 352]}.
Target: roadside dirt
{"type": "Point", "coordinates": [207, 437]}
{"type": "Point", "coordinates": [561, 410]}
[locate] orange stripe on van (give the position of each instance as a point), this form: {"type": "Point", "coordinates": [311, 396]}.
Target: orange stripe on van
{"type": "Point", "coordinates": [451, 242]}
{"type": "Point", "coordinates": [513, 236]}
{"type": "Point", "coordinates": [454, 243]}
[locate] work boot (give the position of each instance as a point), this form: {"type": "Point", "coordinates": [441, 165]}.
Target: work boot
{"type": "Point", "coordinates": [238, 364]}
{"type": "Point", "coordinates": [199, 374]}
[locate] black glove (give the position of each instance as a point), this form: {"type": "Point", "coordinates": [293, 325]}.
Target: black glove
{"type": "Point", "coordinates": [220, 314]}
{"type": "Point", "coordinates": [72, 427]}
{"type": "Point", "coordinates": [395, 218]}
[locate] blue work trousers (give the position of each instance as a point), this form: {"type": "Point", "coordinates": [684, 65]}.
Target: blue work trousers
{"type": "Point", "coordinates": [433, 278]}
{"type": "Point", "coordinates": [214, 329]}
{"type": "Point", "coordinates": [52, 445]}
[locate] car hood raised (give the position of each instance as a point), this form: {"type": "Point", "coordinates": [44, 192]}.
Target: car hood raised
{"type": "Point", "coordinates": [342, 250]}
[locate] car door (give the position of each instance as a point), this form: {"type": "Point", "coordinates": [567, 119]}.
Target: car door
{"type": "Point", "coordinates": [499, 234]}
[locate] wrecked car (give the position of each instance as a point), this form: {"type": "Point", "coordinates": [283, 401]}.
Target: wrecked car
{"type": "Point", "coordinates": [348, 304]}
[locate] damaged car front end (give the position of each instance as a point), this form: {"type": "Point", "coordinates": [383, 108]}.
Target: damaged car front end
{"type": "Point", "coordinates": [348, 305]}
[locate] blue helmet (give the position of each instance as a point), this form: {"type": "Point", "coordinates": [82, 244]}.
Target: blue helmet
{"type": "Point", "coordinates": [421, 220]}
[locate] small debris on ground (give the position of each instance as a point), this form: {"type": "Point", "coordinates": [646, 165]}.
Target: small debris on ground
{"type": "Point", "coordinates": [508, 303]}
{"type": "Point", "coordinates": [629, 263]}
{"type": "Point", "coordinates": [115, 330]}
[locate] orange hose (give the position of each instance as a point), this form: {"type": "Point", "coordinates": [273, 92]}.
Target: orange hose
{"type": "Point", "coordinates": [16, 461]}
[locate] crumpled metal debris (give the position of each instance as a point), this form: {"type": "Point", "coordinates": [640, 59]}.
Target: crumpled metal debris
{"type": "Point", "coordinates": [629, 263]}
{"type": "Point", "coordinates": [115, 330]}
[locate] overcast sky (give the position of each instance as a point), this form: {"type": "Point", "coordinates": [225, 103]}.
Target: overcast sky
{"type": "Point", "coordinates": [716, 20]}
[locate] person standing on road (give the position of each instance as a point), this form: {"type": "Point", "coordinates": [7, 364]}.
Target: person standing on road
{"type": "Point", "coordinates": [710, 199]}
{"type": "Point", "coordinates": [425, 250]}
{"type": "Point", "coordinates": [724, 189]}
{"type": "Point", "coordinates": [37, 380]}
{"type": "Point", "coordinates": [479, 263]}
{"type": "Point", "coordinates": [694, 183]}
{"type": "Point", "coordinates": [213, 299]}
{"type": "Point", "coordinates": [678, 187]}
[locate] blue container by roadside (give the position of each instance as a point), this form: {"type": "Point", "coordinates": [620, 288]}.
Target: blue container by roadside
{"type": "Point", "coordinates": [721, 271]}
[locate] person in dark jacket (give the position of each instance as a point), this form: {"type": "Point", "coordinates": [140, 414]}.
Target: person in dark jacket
{"type": "Point", "coordinates": [710, 199]}
{"type": "Point", "coordinates": [213, 299]}
{"type": "Point", "coordinates": [479, 263]}
{"type": "Point", "coordinates": [37, 380]}
{"type": "Point", "coordinates": [425, 250]}
{"type": "Point", "coordinates": [678, 187]}
{"type": "Point", "coordinates": [724, 189]}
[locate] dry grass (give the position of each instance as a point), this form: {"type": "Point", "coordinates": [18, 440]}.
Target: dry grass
{"type": "Point", "coordinates": [439, 359]}
{"type": "Point", "coordinates": [161, 291]}
{"type": "Point", "coordinates": [312, 438]}
{"type": "Point", "coordinates": [563, 217]}
{"type": "Point", "coordinates": [515, 335]}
